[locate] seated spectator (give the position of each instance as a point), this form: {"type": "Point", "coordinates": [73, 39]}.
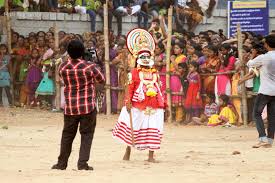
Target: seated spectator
{"type": "Point", "coordinates": [123, 8]}
{"type": "Point", "coordinates": [31, 5]}
{"type": "Point", "coordinates": [210, 108]}
{"type": "Point", "coordinates": [100, 12]}
{"type": "Point", "coordinates": [91, 7]}
{"type": "Point", "coordinates": [227, 116]}
{"type": "Point", "coordinates": [143, 14]}
{"type": "Point", "coordinates": [52, 5]}
{"type": "Point", "coordinates": [14, 5]}
{"type": "Point", "coordinates": [156, 6]}
{"type": "Point", "coordinates": [66, 6]}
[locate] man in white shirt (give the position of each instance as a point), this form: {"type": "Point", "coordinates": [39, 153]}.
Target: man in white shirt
{"type": "Point", "coordinates": [266, 94]}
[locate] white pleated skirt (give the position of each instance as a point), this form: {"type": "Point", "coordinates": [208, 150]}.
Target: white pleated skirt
{"type": "Point", "coordinates": [148, 129]}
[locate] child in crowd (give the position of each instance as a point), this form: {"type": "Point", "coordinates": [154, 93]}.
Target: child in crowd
{"type": "Point", "coordinates": [46, 88]}
{"type": "Point", "coordinates": [34, 76]}
{"type": "Point", "coordinates": [4, 74]}
{"type": "Point", "coordinates": [193, 100]}
{"type": "Point", "coordinates": [196, 56]}
{"type": "Point", "coordinates": [210, 108]}
{"type": "Point", "coordinates": [228, 115]}
{"type": "Point", "coordinates": [183, 72]}
{"type": "Point", "coordinates": [193, 51]}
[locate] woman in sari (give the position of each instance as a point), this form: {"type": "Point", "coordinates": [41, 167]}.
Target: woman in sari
{"type": "Point", "coordinates": [176, 86]}
{"type": "Point", "coordinates": [123, 68]}
{"type": "Point", "coordinates": [211, 65]}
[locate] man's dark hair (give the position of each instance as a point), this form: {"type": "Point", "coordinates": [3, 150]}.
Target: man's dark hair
{"type": "Point", "coordinates": [156, 20]}
{"type": "Point", "coordinates": [270, 41]}
{"type": "Point", "coordinates": [76, 49]}
{"type": "Point", "coordinates": [225, 99]}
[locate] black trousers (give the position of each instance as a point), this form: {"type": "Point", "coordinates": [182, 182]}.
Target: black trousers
{"type": "Point", "coordinates": [86, 129]}
{"type": "Point", "coordinates": [260, 103]}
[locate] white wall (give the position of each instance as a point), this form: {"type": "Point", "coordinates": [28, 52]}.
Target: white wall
{"type": "Point", "coordinates": [25, 22]}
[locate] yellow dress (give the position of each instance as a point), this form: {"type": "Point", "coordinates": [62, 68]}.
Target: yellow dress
{"type": "Point", "coordinates": [226, 113]}
{"type": "Point", "coordinates": [236, 101]}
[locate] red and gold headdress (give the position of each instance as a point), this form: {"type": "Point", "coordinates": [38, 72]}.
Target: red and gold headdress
{"type": "Point", "coordinates": [139, 42]}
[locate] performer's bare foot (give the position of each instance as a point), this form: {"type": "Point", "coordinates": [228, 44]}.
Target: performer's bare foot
{"type": "Point", "coordinates": [151, 158]}
{"type": "Point", "coordinates": [127, 154]}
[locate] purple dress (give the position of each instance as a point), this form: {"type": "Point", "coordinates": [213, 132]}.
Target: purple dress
{"type": "Point", "coordinates": [33, 79]}
{"type": "Point", "coordinates": [114, 83]}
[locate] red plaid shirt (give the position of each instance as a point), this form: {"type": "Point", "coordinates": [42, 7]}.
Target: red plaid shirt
{"type": "Point", "coordinates": [79, 78]}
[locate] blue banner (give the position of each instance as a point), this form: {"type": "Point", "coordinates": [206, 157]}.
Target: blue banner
{"type": "Point", "coordinates": [253, 16]}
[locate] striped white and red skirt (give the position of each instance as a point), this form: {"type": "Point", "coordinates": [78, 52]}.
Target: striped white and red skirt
{"type": "Point", "coordinates": [148, 128]}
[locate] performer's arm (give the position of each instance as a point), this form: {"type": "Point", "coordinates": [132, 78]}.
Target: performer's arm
{"type": "Point", "coordinates": [131, 87]}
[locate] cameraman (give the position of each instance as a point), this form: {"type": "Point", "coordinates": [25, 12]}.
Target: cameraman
{"type": "Point", "coordinates": [79, 78]}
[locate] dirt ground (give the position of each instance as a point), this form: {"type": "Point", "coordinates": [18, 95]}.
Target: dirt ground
{"type": "Point", "coordinates": [30, 146]}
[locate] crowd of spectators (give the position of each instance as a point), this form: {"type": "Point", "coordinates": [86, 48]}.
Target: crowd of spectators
{"type": "Point", "coordinates": [205, 69]}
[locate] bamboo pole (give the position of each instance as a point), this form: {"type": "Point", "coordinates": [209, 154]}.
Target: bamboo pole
{"type": "Point", "coordinates": [107, 60]}
{"type": "Point", "coordinates": [168, 53]}
{"type": "Point", "coordinates": [57, 78]}
{"type": "Point", "coordinates": [8, 27]}
{"type": "Point", "coordinates": [244, 97]}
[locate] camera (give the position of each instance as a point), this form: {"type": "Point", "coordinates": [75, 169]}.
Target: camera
{"type": "Point", "coordinates": [90, 56]}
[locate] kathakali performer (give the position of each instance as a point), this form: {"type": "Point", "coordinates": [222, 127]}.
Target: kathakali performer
{"type": "Point", "coordinates": [140, 123]}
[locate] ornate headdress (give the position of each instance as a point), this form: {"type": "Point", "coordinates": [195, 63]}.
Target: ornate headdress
{"type": "Point", "coordinates": [141, 45]}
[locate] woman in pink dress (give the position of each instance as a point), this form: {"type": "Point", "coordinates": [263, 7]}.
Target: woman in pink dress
{"type": "Point", "coordinates": [176, 86]}
{"type": "Point", "coordinates": [223, 81]}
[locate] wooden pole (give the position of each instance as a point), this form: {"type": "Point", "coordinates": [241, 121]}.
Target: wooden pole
{"type": "Point", "coordinates": [8, 24]}
{"type": "Point", "coordinates": [8, 27]}
{"type": "Point", "coordinates": [240, 53]}
{"type": "Point", "coordinates": [57, 78]}
{"type": "Point", "coordinates": [107, 60]}
{"type": "Point", "coordinates": [168, 54]}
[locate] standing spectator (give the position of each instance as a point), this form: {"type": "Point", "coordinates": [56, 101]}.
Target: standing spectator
{"type": "Point", "coordinates": [156, 29]}
{"type": "Point", "coordinates": [211, 65]}
{"type": "Point", "coordinates": [4, 73]}
{"type": "Point", "coordinates": [114, 78]}
{"type": "Point", "coordinates": [80, 105]}
{"type": "Point", "coordinates": [34, 76]}
{"type": "Point", "coordinates": [223, 81]}
{"type": "Point", "coordinates": [193, 100]}
{"type": "Point", "coordinates": [123, 8]}
{"type": "Point", "coordinates": [176, 86]}
{"type": "Point", "coordinates": [266, 94]}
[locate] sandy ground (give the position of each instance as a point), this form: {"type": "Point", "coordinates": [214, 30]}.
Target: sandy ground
{"type": "Point", "coordinates": [30, 146]}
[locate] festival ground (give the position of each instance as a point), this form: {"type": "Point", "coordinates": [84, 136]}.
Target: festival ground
{"type": "Point", "coordinates": [30, 146]}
